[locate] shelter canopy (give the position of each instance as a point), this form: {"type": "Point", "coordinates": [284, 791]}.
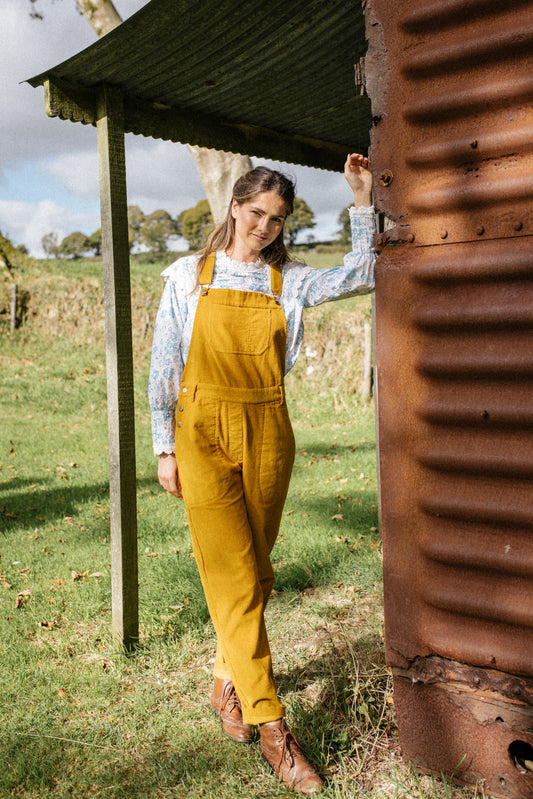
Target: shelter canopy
{"type": "Point", "coordinates": [274, 80]}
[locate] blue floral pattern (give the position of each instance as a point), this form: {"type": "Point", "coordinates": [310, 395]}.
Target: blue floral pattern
{"type": "Point", "coordinates": [303, 287]}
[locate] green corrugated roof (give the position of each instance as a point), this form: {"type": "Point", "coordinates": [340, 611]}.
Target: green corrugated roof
{"type": "Point", "coordinates": [272, 79]}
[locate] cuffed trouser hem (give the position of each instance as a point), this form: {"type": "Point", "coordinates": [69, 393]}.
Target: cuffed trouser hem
{"type": "Point", "coordinates": [222, 674]}
{"type": "Point", "coordinates": [261, 717]}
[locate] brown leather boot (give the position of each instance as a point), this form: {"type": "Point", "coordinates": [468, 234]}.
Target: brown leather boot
{"type": "Point", "coordinates": [226, 705]}
{"type": "Point", "coordinates": [281, 749]}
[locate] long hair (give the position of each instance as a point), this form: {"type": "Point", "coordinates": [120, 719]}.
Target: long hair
{"type": "Point", "coordinates": [245, 190]}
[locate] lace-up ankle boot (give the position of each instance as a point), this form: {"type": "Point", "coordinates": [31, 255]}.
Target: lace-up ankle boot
{"type": "Point", "coordinates": [282, 751]}
{"type": "Point", "coordinates": [226, 704]}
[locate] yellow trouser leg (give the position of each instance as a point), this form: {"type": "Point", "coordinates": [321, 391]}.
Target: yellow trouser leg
{"type": "Point", "coordinates": [233, 533]}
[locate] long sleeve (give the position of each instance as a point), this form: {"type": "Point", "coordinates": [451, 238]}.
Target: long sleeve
{"type": "Point", "coordinates": [305, 287]}
{"type": "Point", "coordinates": [166, 367]}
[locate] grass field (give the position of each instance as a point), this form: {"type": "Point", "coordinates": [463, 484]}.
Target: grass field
{"type": "Point", "coordinates": [80, 719]}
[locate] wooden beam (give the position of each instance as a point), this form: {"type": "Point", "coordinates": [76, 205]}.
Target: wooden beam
{"type": "Point", "coordinates": [78, 104]}
{"type": "Point", "coordinates": [75, 103]}
{"type": "Point", "coordinates": [192, 127]}
{"type": "Point", "coordinates": [119, 354]}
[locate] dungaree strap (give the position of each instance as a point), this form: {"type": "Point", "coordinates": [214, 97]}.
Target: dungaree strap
{"type": "Point", "coordinates": [276, 276]}
{"type": "Point", "coordinates": [206, 275]}
{"type": "Point", "coordinates": [276, 280]}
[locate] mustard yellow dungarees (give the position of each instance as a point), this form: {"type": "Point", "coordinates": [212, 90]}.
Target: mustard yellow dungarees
{"type": "Point", "coordinates": [235, 451]}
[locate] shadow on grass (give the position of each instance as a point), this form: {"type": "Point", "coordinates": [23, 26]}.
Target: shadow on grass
{"type": "Point", "coordinates": [350, 710]}
{"type": "Point", "coordinates": [161, 767]}
{"type": "Point", "coordinates": [30, 502]}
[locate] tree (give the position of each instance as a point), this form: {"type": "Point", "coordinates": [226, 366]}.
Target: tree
{"type": "Point", "coordinates": [301, 218]}
{"type": "Point", "coordinates": [156, 230]}
{"type": "Point", "coordinates": [135, 223]}
{"type": "Point", "coordinates": [218, 170]}
{"type": "Point", "coordinates": [50, 245]}
{"type": "Point", "coordinates": [95, 242]}
{"type": "Point", "coordinates": [74, 245]}
{"type": "Point", "coordinates": [344, 235]}
{"type": "Point", "coordinates": [196, 224]}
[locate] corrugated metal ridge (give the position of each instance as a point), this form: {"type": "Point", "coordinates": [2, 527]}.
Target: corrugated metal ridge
{"type": "Point", "coordinates": [442, 13]}
{"type": "Point", "coordinates": [287, 67]}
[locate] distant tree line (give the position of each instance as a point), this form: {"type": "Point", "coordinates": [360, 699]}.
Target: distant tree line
{"type": "Point", "coordinates": [153, 233]}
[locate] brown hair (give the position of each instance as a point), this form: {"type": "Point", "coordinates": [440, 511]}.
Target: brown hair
{"type": "Point", "coordinates": [245, 190]}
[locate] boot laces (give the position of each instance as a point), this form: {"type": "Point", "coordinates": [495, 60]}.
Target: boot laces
{"type": "Point", "coordinates": [231, 700]}
{"type": "Point", "coordinates": [289, 746]}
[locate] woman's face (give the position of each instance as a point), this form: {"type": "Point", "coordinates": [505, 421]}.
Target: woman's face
{"type": "Point", "coordinates": [257, 223]}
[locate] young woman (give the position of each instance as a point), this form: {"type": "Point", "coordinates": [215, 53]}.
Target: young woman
{"type": "Point", "coordinates": [229, 328]}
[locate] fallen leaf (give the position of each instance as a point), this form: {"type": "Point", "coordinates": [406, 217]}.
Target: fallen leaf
{"type": "Point", "coordinates": [22, 598]}
{"type": "Point", "coordinates": [338, 516]}
{"type": "Point", "coordinates": [79, 575]}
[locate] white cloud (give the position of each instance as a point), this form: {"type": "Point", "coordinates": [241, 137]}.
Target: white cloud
{"type": "Point", "coordinates": [161, 174]}
{"type": "Point", "coordinates": [27, 223]}
{"type": "Point", "coordinates": [77, 172]}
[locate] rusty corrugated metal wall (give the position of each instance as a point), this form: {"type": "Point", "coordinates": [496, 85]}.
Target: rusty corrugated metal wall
{"type": "Point", "coordinates": [451, 83]}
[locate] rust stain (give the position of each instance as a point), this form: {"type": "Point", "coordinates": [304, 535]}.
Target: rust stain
{"type": "Point", "coordinates": [452, 149]}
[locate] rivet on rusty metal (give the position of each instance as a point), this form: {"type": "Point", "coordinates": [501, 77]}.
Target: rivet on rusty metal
{"type": "Point", "coordinates": [410, 237]}
{"type": "Point", "coordinates": [473, 144]}
{"type": "Point", "coordinates": [386, 177]}
{"type": "Point", "coordinates": [517, 225]}
{"type": "Point", "coordinates": [444, 234]}
{"type": "Point", "coordinates": [480, 230]}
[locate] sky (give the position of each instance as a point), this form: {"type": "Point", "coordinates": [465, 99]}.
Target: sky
{"type": "Point", "coordinates": [48, 167]}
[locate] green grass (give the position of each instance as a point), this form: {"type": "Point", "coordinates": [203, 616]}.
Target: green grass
{"type": "Point", "coordinates": [80, 719]}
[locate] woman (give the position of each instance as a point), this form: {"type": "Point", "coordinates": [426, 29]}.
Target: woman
{"type": "Point", "coordinates": [229, 327]}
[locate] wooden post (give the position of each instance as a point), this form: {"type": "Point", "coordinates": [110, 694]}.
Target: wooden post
{"type": "Point", "coordinates": [366, 382]}
{"type": "Point", "coordinates": [119, 355]}
{"type": "Point", "coordinates": [13, 309]}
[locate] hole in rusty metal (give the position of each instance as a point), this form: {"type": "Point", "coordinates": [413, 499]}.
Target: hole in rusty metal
{"type": "Point", "coordinates": [521, 753]}
{"type": "Point", "coordinates": [499, 719]}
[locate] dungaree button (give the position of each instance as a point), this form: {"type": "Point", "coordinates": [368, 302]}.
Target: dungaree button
{"type": "Point", "coordinates": [179, 424]}
{"type": "Point", "coordinates": [180, 408]}
{"type": "Point", "coordinates": [184, 389]}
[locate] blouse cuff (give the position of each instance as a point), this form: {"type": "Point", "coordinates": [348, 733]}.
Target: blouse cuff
{"type": "Point", "coordinates": [363, 210]}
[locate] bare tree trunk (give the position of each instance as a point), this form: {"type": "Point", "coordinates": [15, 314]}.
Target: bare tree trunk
{"type": "Point", "coordinates": [101, 15]}
{"type": "Point", "coordinates": [218, 170]}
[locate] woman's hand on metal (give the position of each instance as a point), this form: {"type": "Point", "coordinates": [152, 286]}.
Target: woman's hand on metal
{"type": "Point", "coordinates": [359, 176]}
{"type": "Point", "coordinates": [167, 472]}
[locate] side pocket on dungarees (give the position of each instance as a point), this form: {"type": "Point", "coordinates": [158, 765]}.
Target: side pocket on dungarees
{"type": "Point", "coordinates": [200, 465]}
{"type": "Point", "coordinates": [277, 453]}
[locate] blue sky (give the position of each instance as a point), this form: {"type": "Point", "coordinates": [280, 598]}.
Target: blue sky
{"type": "Point", "coordinates": [48, 167]}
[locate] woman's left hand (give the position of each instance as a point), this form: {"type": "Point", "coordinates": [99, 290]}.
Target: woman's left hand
{"type": "Point", "coordinates": [357, 173]}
